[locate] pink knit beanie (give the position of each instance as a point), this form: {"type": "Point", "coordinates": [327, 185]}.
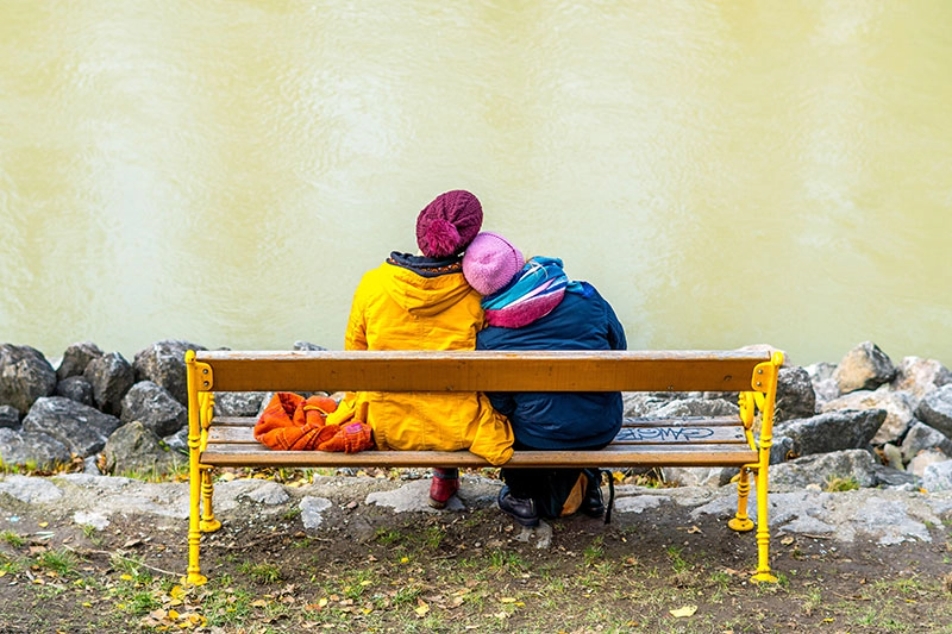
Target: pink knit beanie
{"type": "Point", "coordinates": [447, 225]}
{"type": "Point", "coordinates": [491, 262]}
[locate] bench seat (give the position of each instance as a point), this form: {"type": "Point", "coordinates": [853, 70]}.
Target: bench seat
{"type": "Point", "coordinates": [642, 442]}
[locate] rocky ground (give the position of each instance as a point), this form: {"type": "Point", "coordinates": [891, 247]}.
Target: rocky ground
{"type": "Point", "coordinates": [359, 553]}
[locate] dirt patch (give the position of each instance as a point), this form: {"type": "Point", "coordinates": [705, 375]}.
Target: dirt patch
{"type": "Point", "coordinates": [368, 569]}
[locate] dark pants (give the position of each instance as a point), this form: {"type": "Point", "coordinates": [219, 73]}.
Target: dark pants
{"type": "Point", "coordinates": [540, 484]}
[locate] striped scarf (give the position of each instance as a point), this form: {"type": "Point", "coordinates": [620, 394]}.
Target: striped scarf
{"type": "Point", "coordinates": [532, 294]}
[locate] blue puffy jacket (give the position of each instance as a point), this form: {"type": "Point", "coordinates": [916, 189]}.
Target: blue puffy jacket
{"type": "Point", "coordinates": [583, 320]}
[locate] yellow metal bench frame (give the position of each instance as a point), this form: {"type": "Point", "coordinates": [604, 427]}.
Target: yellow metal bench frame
{"type": "Point", "coordinates": [215, 442]}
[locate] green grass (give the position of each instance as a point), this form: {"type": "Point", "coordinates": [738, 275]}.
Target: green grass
{"type": "Point", "coordinates": [594, 552]}
{"type": "Point", "coordinates": [261, 573]}
{"type": "Point", "coordinates": [837, 484]}
{"type": "Point", "coordinates": [62, 562]}
{"type": "Point", "coordinates": [14, 539]}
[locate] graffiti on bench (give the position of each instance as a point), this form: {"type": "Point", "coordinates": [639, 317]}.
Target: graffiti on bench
{"type": "Point", "coordinates": [664, 434]}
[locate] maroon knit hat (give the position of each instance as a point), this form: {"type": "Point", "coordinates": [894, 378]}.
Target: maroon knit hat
{"type": "Point", "coordinates": [447, 225]}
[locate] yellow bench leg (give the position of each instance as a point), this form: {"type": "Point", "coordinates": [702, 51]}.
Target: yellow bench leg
{"type": "Point", "coordinates": [208, 523]}
{"type": "Point", "coordinates": [741, 522]}
{"type": "Point", "coordinates": [194, 574]}
{"type": "Point", "coordinates": [763, 531]}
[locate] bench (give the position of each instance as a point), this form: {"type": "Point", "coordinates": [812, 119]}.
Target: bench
{"type": "Point", "coordinates": [740, 441]}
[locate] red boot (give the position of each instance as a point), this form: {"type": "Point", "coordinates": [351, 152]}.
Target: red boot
{"type": "Point", "coordinates": [445, 484]}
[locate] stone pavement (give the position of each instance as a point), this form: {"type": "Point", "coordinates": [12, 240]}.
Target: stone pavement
{"type": "Point", "coordinates": [883, 516]}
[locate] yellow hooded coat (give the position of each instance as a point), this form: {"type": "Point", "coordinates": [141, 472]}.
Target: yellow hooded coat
{"type": "Point", "coordinates": [396, 308]}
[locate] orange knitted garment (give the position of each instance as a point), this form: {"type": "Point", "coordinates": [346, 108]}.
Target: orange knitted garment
{"type": "Point", "coordinates": [292, 423]}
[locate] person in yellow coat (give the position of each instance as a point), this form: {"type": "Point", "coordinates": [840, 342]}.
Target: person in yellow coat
{"type": "Point", "coordinates": [423, 302]}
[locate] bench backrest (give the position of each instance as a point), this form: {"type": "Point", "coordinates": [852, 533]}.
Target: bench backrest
{"type": "Point", "coordinates": [428, 371]}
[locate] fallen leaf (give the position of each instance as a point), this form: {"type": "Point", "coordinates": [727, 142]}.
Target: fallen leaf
{"type": "Point", "coordinates": [422, 608]}
{"type": "Point", "coordinates": [686, 611]}
{"type": "Point", "coordinates": [786, 541]}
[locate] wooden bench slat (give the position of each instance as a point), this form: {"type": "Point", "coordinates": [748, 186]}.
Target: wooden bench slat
{"type": "Point", "coordinates": [612, 456]}
{"type": "Point", "coordinates": [244, 421]}
{"type": "Point", "coordinates": [536, 371]}
{"type": "Point", "coordinates": [633, 432]}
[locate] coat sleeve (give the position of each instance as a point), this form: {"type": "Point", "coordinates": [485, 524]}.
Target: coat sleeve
{"type": "Point", "coordinates": [616, 332]}
{"type": "Point", "coordinates": [355, 338]}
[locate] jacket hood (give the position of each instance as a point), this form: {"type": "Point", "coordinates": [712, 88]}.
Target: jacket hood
{"type": "Point", "coordinates": [423, 286]}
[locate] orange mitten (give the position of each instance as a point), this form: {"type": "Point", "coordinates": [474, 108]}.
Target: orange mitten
{"type": "Point", "coordinates": [351, 438]}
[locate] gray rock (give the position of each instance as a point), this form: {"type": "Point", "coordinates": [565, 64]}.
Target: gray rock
{"type": "Point", "coordinates": [312, 511]}
{"type": "Point", "coordinates": [889, 521]}
{"type": "Point", "coordinates": [163, 363]}
{"type": "Point", "coordinates": [820, 469]}
{"type": "Point", "coordinates": [920, 376]}
{"type": "Point", "coordinates": [935, 409]}
{"type": "Point", "coordinates": [178, 441]}
{"type": "Point", "coordinates": [30, 490]}
{"type": "Point", "coordinates": [833, 431]}
{"type": "Point", "coordinates": [921, 437]}
{"type": "Point", "coordinates": [824, 385]}
{"type": "Point", "coordinates": [892, 456]}
{"type": "Point", "coordinates": [97, 521]}
{"type": "Point", "coordinates": [308, 346]}
{"type": "Point", "coordinates": [921, 461]}
{"type": "Point", "coordinates": [796, 397]}
{"type": "Point", "coordinates": [31, 449]}
{"type": "Point", "coordinates": [890, 477]}
{"type": "Point", "coordinates": [229, 494]}
{"type": "Point", "coordinates": [825, 390]}
{"type": "Point", "coordinates": [898, 407]}
{"type": "Point", "coordinates": [269, 493]}
{"type": "Point", "coordinates": [76, 358]}
{"type": "Point", "coordinates": [865, 367]}
{"type": "Point", "coordinates": [697, 407]}
{"type": "Point", "coordinates": [111, 377]}
{"type": "Point", "coordinates": [783, 449]}
{"type": "Point", "coordinates": [820, 371]}
{"type": "Point", "coordinates": [83, 429]}
{"type": "Point", "coordinates": [247, 404]}
{"type": "Point", "coordinates": [9, 417]}
{"type": "Point", "coordinates": [639, 404]}
{"type": "Point", "coordinates": [134, 448]}
{"type": "Point", "coordinates": [154, 407]}
{"type": "Point", "coordinates": [76, 388]}
{"type": "Point", "coordinates": [91, 465]}
{"type": "Point", "coordinates": [411, 496]}
{"type": "Point", "coordinates": [938, 477]}
{"type": "Point", "coordinates": [25, 375]}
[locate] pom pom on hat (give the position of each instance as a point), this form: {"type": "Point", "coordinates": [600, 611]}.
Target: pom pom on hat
{"type": "Point", "coordinates": [491, 262]}
{"type": "Point", "coordinates": [447, 225]}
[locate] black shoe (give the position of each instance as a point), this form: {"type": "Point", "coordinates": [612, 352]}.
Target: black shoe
{"type": "Point", "coordinates": [592, 504]}
{"type": "Point", "coordinates": [523, 510]}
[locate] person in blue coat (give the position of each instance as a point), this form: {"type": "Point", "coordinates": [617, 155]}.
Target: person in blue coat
{"type": "Point", "coordinates": [532, 305]}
